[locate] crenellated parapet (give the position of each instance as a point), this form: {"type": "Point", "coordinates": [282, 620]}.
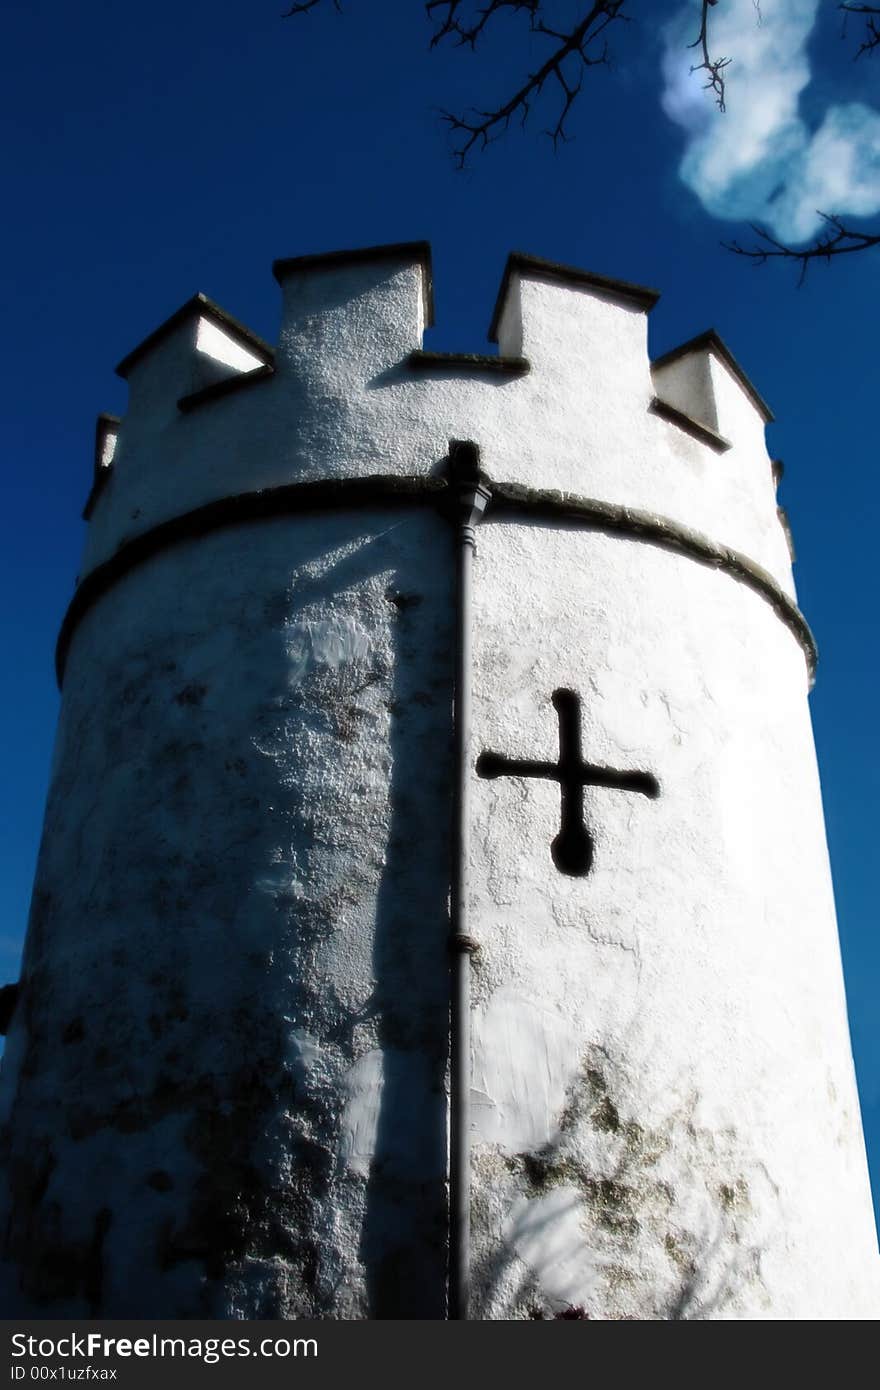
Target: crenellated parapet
{"type": "Point", "coordinates": [197, 347]}
{"type": "Point", "coordinates": [570, 402]}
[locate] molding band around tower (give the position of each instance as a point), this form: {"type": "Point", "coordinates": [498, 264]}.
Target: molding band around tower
{"type": "Point", "coordinates": [509, 500]}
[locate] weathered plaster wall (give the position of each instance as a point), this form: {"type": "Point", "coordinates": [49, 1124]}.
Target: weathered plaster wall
{"type": "Point", "coordinates": [236, 971]}
{"type": "Point", "coordinates": [223, 1092]}
{"type": "Point", "coordinates": [664, 1096]}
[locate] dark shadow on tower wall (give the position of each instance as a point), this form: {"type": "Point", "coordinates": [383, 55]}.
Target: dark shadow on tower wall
{"type": "Point", "coordinates": [404, 1245]}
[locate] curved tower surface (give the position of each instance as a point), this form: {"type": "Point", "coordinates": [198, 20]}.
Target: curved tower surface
{"type": "Point", "coordinates": [292, 744]}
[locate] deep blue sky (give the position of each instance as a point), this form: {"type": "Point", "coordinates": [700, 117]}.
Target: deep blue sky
{"type": "Point", "coordinates": [151, 151]}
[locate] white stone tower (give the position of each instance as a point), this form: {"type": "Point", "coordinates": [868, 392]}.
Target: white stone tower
{"type": "Point", "coordinates": [226, 1088]}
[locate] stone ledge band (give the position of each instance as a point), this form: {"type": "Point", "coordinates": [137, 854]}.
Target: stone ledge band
{"type": "Point", "coordinates": [508, 500]}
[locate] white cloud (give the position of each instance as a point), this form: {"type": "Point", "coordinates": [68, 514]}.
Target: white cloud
{"type": "Point", "coordinates": [758, 161]}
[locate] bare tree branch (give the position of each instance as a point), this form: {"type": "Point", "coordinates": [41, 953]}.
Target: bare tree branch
{"type": "Point", "coordinates": [872, 27]}
{"type": "Point", "coordinates": [713, 67]}
{"type": "Point", "coordinates": [836, 240]}
{"type": "Point", "coordinates": [450, 26]}
{"type": "Point", "coordinates": [581, 45]}
{"type": "Point", "coordinates": [305, 5]}
{"type": "Point", "coordinates": [574, 51]}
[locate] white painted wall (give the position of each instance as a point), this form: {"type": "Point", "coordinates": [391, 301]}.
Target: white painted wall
{"type": "Point", "coordinates": [236, 964]}
{"type": "Point", "coordinates": [686, 382]}
{"type": "Point", "coordinates": [223, 1093]}
{"type": "Point", "coordinates": [664, 1084]}
{"type": "Point", "coordinates": [213, 342]}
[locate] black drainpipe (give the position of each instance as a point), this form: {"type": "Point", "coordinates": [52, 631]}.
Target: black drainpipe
{"type": "Point", "coordinates": [471, 495]}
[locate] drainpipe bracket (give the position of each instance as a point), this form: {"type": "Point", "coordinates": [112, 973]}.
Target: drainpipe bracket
{"type": "Point", "coordinates": [468, 484]}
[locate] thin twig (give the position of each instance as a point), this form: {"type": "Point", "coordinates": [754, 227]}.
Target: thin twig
{"type": "Point", "coordinates": [837, 240]}
{"type": "Point", "coordinates": [872, 28]}
{"type": "Point", "coordinates": [574, 52]}
{"type": "Point", "coordinates": [713, 67]}
{"type": "Point", "coordinates": [305, 5]}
